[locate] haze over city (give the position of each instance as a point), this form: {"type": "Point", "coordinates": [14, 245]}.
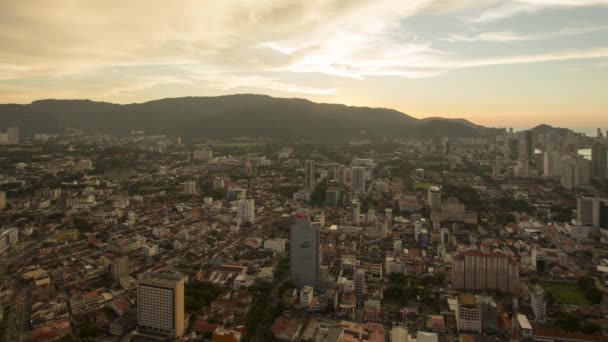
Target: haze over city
{"type": "Point", "coordinates": [496, 63]}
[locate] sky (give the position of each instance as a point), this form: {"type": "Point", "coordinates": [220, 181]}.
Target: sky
{"type": "Point", "coordinates": [499, 63]}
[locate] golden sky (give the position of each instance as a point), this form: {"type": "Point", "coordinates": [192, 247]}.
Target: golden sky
{"type": "Point", "coordinates": [495, 62]}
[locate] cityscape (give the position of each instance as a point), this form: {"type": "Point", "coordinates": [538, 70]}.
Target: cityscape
{"type": "Point", "coordinates": [145, 237]}
{"type": "Point", "coordinates": [304, 171]}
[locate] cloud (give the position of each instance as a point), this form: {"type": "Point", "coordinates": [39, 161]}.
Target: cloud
{"type": "Point", "coordinates": [507, 9]}
{"type": "Point", "coordinates": [258, 44]}
{"type": "Point", "coordinates": [510, 36]}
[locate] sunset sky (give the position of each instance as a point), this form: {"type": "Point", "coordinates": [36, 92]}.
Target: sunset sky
{"type": "Point", "coordinates": [494, 62]}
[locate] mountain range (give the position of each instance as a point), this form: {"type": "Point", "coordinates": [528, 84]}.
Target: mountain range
{"type": "Point", "coordinates": [233, 116]}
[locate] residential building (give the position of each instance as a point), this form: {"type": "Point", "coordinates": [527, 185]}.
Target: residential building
{"type": "Point", "coordinates": [8, 238]}
{"type": "Point", "coordinates": [358, 180]}
{"type": "Point", "coordinates": [190, 188]}
{"type": "Point", "coordinates": [120, 267]}
{"type": "Point", "coordinates": [434, 198]}
{"type": "Point", "coordinates": [539, 305]}
{"type": "Point", "coordinates": [309, 174]}
{"type": "Point", "coordinates": [305, 254]}
{"type": "Point", "coordinates": [246, 210]}
{"type": "Point", "coordinates": [475, 270]}
{"type": "Point", "coordinates": [599, 161]}
{"type": "Point", "coordinates": [359, 281]}
{"type": "Point", "coordinates": [12, 135]}
{"type": "Point", "coordinates": [468, 315]}
{"type": "Point", "coordinates": [160, 305]}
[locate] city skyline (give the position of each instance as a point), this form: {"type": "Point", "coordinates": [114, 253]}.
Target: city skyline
{"type": "Point", "coordinates": [496, 63]}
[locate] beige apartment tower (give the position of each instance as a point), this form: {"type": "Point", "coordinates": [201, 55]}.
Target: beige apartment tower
{"type": "Point", "coordinates": [160, 305]}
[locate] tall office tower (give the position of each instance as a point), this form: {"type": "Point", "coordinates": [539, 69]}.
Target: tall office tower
{"type": "Point", "coordinates": [2, 199]}
{"type": "Point", "coordinates": [584, 210]}
{"type": "Point", "coordinates": [305, 253]}
{"type": "Point", "coordinates": [551, 164]}
{"type": "Point", "coordinates": [246, 210]}
{"type": "Point", "coordinates": [309, 174]}
{"type": "Point", "coordinates": [120, 267]}
{"type": "Point", "coordinates": [160, 305]}
{"type": "Point", "coordinates": [358, 179]}
{"type": "Point", "coordinates": [477, 270]}
{"type": "Point", "coordinates": [600, 213]}
{"type": "Point", "coordinates": [434, 198]}
{"type": "Point", "coordinates": [13, 135]}
{"type": "Point", "coordinates": [190, 187]}
{"type": "Point", "coordinates": [359, 281]}
{"type": "Point", "coordinates": [388, 215]}
{"type": "Point", "coordinates": [599, 161]}
{"type": "Point", "coordinates": [599, 132]}
{"type": "Point", "coordinates": [355, 212]}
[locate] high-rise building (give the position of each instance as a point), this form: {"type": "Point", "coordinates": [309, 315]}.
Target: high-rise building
{"type": "Point", "coordinates": [204, 154]}
{"type": "Point", "coordinates": [539, 305]}
{"type": "Point", "coordinates": [190, 187]}
{"type": "Point", "coordinates": [574, 171]}
{"type": "Point", "coordinates": [584, 210]}
{"type": "Point", "coordinates": [599, 160]}
{"type": "Point", "coordinates": [358, 179]}
{"type": "Point", "coordinates": [160, 305]}
{"type": "Point", "coordinates": [592, 211]}
{"type": "Point", "coordinates": [355, 212]}
{"type": "Point", "coordinates": [359, 281]}
{"type": "Point", "coordinates": [488, 313]}
{"type": "Point", "coordinates": [333, 192]}
{"type": "Point", "coordinates": [2, 199]}
{"type": "Point", "coordinates": [434, 198]}
{"type": "Point", "coordinates": [468, 316]}
{"type": "Point", "coordinates": [120, 267]}
{"type": "Point", "coordinates": [84, 164]}
{"type": "Point", "coordinates": [551, 164]}
{"type": "Point", "coordinates": [478, 270]}
{"type": "Point", "coordinates": [309, 174]}
{"type": "Point", "coordinates": [305, 253]}
{"type": "Point", "coordinates": [528, 142]}
{"type": "Point", "coordinates": [246, 210]}
{"type": "Point", "coordinates": [12, 135]}
{"type": "Point", "coordinates": [8, 238]}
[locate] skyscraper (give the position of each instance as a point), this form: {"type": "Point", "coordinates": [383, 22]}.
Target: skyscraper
{"type": "Point", "coordinates": [309, 174]}
{"type": "Point", "coordinates": [355, 212]}
{"type": "Point", "coordinates": [434, 198]}
{"type": "Point", "coordinates": [599, 161]}
{"type": "Point", "coordinates": [358, 179]}
{"type": "Point", "coordinates": [160, 305]}
{"type": "Point", "coordinates": [2, 199]}
{"type": "Point", "coordinates": [305, 255]}
{"type": "Point", "coordinates": [246, 210]}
